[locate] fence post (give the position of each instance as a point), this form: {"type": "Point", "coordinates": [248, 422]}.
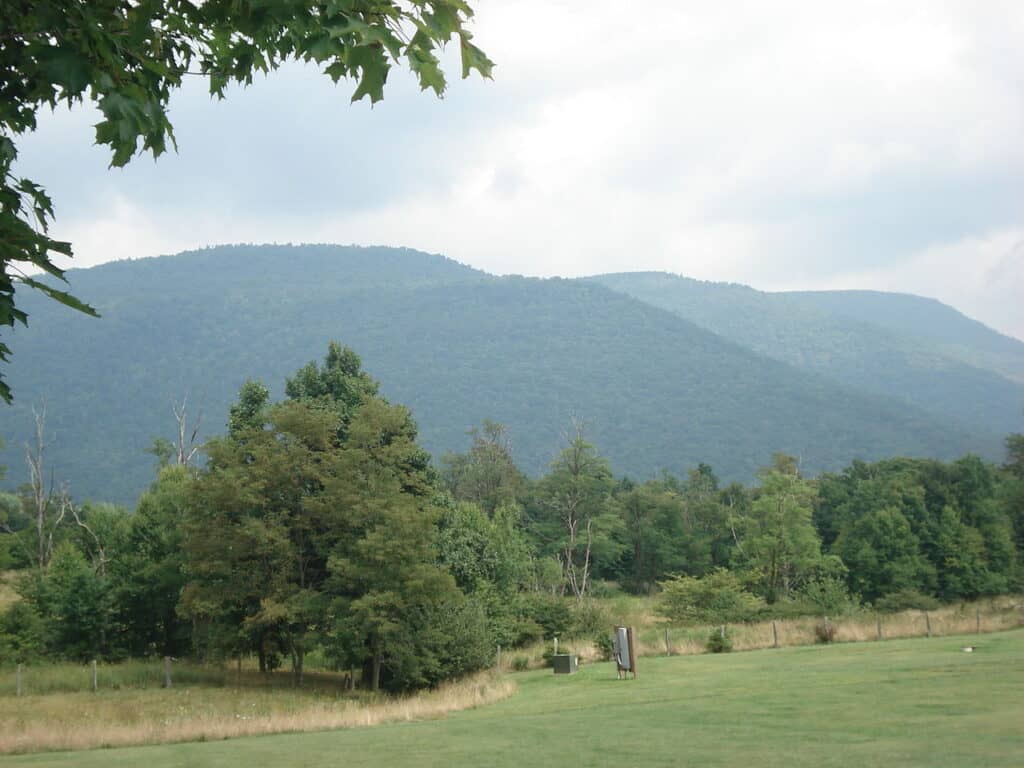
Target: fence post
{"type": "Point", "coordinates": [878, 625]}
{"type": "Point", "coordinates": [95, 680]}
{"type": "Point", "coordinates": [499, 657]}
{"type": "Point", "coordinates": [977, 620]}
{"type": "Point", "coordinates": [17, 678]}
{"type": "Point", "coordinates": [668, 647]}
{"type": "Point", "coordinates": [167, 671]}
{"type": "Point", "coordinates": [927, 624]}
{"type": "Point", "coordinates": [775, 635]}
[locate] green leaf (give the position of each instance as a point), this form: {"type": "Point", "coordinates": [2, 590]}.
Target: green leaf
{"type": "Point", "coordinates": [373, 65]}
{"type": "Point", "coordinates": [64, 66]}
{"type": "Point", "coordinates": [474, 58]}
{"type": "Point", "coordinates": [61, 296]}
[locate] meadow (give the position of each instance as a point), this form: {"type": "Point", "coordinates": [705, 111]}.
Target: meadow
{"type": "Point", "coordinates": [916, 702]}
{"type": "Point", "coordinates": [58, 709]}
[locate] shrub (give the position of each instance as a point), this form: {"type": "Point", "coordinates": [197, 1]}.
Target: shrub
{"type": "Point", "coordinates": [825, 632]}
{"type": "Point", "coordinates": [605, 645]}
{"type": "Point", "coordinates": [21, 633]}
{"type": "Point", "coordinates": [551, 612]}
{"type": "Point", "coordinates": [720, 640]}
{"type": "Point", "coordinates": [528, 631]}
{"type": "Point", "coordinates": [830, 596]}
{"type": "Point", "coordinates": [590, 617]}
{"type": "Point", "coordinates": [520, 663]}
{"type": "Point", "coordinates": [717, 597]}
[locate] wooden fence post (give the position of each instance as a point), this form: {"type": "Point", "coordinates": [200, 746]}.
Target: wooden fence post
{"type": "Point", "coordinates": [17, 678]}
{"type": "Point", "coordinates": [499, 657]}
{"type": "Point", "coordinates": [95, 679]}
{"type": "Point", "coordinates": [878, 625]}
{"type": "Point", "coordinates": [775, 635]}
{"type": "Point", "coordinates": [977, 620]}
{"type": "Point", "coordinates": [927, 624]}
{"type": "Point", "coordinates": [668, 647]}
{"type": "Point", "coordinates": [167, 671]}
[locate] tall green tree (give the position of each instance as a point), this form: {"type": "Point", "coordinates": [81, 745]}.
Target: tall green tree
{"type": "Point", "coordinates": [487, 474]}
{"type": "Point", "coordinates": [883, 555]}
{"type": "Point", "coordinates": [252, 532]}
{"type": "Point", "coordinates": [579, 522]}
{"type": "Point", "coordinates": [149, 575]}
{"type": "Point", "coordinates": [779, 545]}
{"type": "Point", "coordinates": [385, 586]}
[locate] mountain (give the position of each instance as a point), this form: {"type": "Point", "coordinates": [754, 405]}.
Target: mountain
{"type": "Point", "coordinates": [454, 344]}
{"type": "Point", "coordinates": [904, 347]}
{"type": "Point", "coordinates": [949, 331]}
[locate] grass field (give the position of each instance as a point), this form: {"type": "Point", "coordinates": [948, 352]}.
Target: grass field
{"type": "Point", "coordinates": [920, 702]}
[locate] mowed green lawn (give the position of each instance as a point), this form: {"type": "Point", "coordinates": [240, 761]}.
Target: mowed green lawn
{"type": "Point", "coordinates": [896, 703]}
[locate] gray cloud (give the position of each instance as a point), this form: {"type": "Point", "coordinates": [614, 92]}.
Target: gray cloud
{"type": "Point", "coordinates": [832, 145]}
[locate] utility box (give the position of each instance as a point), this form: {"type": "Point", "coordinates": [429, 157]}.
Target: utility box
{"type": "Point", "coordinates": [625, 652]}
{"type": "Point", "coordinates": [565, 663]}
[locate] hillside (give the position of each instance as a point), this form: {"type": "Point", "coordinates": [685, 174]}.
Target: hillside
{"type": "Point", "coordinates": [454, 344]}
{"type": "Point", "coordinates": [894, 345]}
{"type": "Point", "coordinates": [927, 319]}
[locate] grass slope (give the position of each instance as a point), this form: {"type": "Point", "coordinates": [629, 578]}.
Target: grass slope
{"type": "Point", "coordinates": [861, 344]}
{"type": "Point", "coordinates": [457, 347]}
{"type": "Point", "coordinates": [898, 703]}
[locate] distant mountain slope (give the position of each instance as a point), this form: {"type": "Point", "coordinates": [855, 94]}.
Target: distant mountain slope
{"type": "Point", "coordinates": [952, 332]}
{"type": "Point", "coordinates": [455, 345]}
{"type": "Point", "coordinates": [801, 329]}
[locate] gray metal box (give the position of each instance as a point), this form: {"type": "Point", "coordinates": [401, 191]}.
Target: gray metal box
{"type": "Point", "coordinates": [565, 663]}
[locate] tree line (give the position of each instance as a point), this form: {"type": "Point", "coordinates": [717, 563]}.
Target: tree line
{"type": "Point", "coordinates": [318, 525]}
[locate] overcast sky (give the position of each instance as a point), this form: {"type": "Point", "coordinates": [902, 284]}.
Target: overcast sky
{"type": "Point", "coordinates": [782, 145]}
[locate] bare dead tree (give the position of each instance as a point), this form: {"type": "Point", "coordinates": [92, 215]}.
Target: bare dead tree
{"type": "Point", "coordinates": [42, 491]}
{"type": "Point", "coordinates": [67, 506]}
{"type": "Point", "coordinates": [187, 440]}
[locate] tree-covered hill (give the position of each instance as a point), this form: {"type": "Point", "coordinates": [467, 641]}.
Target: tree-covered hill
{"type": "Point", "coordinates": [456, 345]}
{"type": "Point", "coordinates": [927, 319]}
{"type": "Point", "coordinates": [913, 349]}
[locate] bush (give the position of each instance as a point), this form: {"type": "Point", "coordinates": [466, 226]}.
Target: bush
{"type": "Point", "coordinates": [551, 612]}
{"type": "Point", "coordinates": [604, 590]}
{"type": "Point", "coordinates": [830, 596]}
{"type": "Point", "coordinates": [520, 663]}
{"type": "Point", "coordinates": [590, 617]}
{"type": "Point", "coordinates": [905, 600]}
{"type": "Point", "coordinates": [605, 645]}
{"type": "Point", "coordinates": [717, 597]}
{"type": "Point", "coordinates": [21, 633]}
{"type": "Point", "coordinates": [825, 632]}
{"type": "Point", "coordinates": [720, 640]}
{"type": "Point", "coordinates": [528, 631]}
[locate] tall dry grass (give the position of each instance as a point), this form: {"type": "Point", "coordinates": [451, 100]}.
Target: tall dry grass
{"type": "Point", "coordinates": [112, 718]}
{"type": "Point", "coordinates": [996, 614]}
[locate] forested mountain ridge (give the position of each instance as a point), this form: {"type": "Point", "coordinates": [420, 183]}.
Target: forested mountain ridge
{"type": "Point", "coordinates": [890, 344]}
{"type": "Point", "coordinates": [456, 345]}
{"type": "Point", "coordinates": [917, 317]}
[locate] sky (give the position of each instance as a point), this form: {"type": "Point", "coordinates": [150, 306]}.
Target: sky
{"type": "Point", "coordinates": [784, 145]}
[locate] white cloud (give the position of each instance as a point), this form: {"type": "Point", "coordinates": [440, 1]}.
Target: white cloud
{"type": "Point", "coordinates": [778, 144]}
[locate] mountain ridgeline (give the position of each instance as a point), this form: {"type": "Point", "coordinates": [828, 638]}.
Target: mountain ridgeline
{"type": "Point", "coordinates": [665, 372]}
